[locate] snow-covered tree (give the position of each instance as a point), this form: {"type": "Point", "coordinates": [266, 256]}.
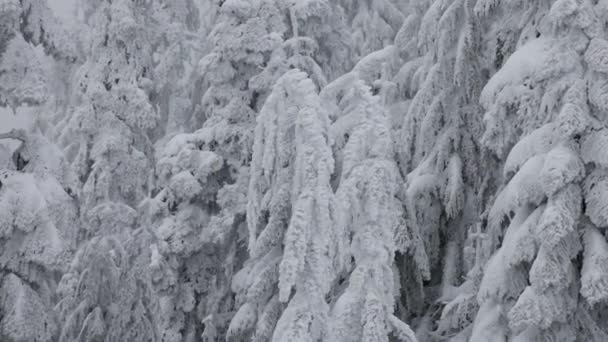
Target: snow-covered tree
{"type": "Point", "coordinates": [105, 294]}
{"type": "Point", "coordinates": [372, 25]}
{"type": "Point", "coordinates": [106, 139]}
{"type": "Point", "coordinates": [179, 43]}
{"type": "Point", "coordinates": [38, 189]}
{"type": "Point", "coordinates": [198, 211]}
{"type": "Point", "coordinates": [435, 116]}
{"type": "Point", "coordinates": [106, 134]}
{"type": "Point", "coordinates": [541, 122]}
{"type": "Point", "coordinates": [326, 23]}
{"type": "Point", "coordinates": [195, 219]}
{"type": "Point", "coordinates": [39, 220]}
{"type": "Point", "coordinates": [289, 215]}
{"type": "Point", "coordinates": [24, 79]}
{"type": "Point", "coordinates": [369, 218]}
{"type": "Point", "coordinates": [33, 45]}
{"type": "Point", "coordinates": [204, 174]}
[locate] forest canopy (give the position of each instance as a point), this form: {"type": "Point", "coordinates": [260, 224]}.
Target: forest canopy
{"type": "Point", "coordinates": [303, 170]}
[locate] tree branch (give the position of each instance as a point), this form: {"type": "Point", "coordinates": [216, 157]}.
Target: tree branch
{"type": "Point", "coordinates": [17, 134]}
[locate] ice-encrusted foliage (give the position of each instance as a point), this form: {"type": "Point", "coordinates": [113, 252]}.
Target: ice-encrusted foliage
{"type": "Point", "coordinates": [38, 234]}
{"type": "Point", "coordinates": [104, 294]}
{"type": "Point", "coordinates": [203, 175]}
{"type": "Point", "coordinates": [106, 132]}
{"type": "Point", "coordinates": [40, 26]}
{"type": "Point", "coordinates": [32, 40]}
{"type": "Point", "coordinates": [436, 119]}
{"type": "Point", "coordinates": [324, 22]}
{"type": "Point", "coordinates": [290, 214]}
{"type": "Point", "coordinates": [198, 212]}
{"type": "Point", "coordinates": [526, 90]}
{"type": "Point", "coordinates": [24, 79]}
{"type": "Point", "coordinates": [369, 219]}
{"type": "Point", "coordinates": [27, 315]}
{"type": "Point", "coordinates": [160, 68]}
{"type": "Point", "coordinates": [195, 219]}
{"type": "Point", "coordinates": [538, 246]}
{"type": "Point", "coordinates": [9, 12]}
{"type": "Point", "coordinates": [180, 35]}
{"type": "Point", "coordinates": [596, 190]}
{"type": "Point", "coordinates": [541, 120]}
{"type": "Point", "coordinates": [106, 138]}
{"type": "Point", "coordinates": [245, 35]}
{"type": "Point", "coordinates": [38, 189]}
{"type": "Point", "coordinates": [194, 212]}
{"type": "Point", "coordinates": [593, 273]}
{"type": "Point", "coordinates": [592, 145]}
{"type": "Point", "coordinates": [372, 24]}
{"type": "Point", "coordinates": [311, 170]}
{"type": "Point", "coordinates": [308, 261]}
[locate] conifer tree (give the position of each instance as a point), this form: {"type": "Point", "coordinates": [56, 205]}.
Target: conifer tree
{"type": "Point", "coordinates": [373, 25]}
{"type": "Point", "coordinates": [33, 45]}
{"type": "Point", "coordinates": [38, 189]}
{"type": "Point", "coordinates": [435, 116]}
{"type": "Point", "coordinates": [105, 293]}
{"type": "Point", "coordinates": [369, 219]}
{"type": "Point", "coordinates": [199, 210]}
{"type": "Point", "coordinates": [541, 121]}
{"type": "Point", "coordinates": [290, 214]}
{"type": "Point", "coordinates": [39, 221]}
{"type": "Point", "coordinates": [179, 41]}
{"type": "Point", "coordinates": [236, 77]}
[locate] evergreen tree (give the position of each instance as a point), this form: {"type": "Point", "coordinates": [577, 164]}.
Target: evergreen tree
{"type": "Point", "coordinates": [33, 45]}
{"type": "Point", "coordinates": [39, 221]}
{"type": "Point", "coordinates": [199, 210]}
{"type": "Point", "coordinates": [373, 24]}
{"type": "Point", "coordinates": [369, 218]}
{"type": "Point", "coordinates": [247, 58]}
{"type": "Point", "coordinates": [38, 189]}
{"type": "Point", "coordinates": [290, 214]}
{"type": "Point", "coordinates": [541, 121]}
{"type": "Point", "coordinates": [105, 293]}
{"type": "Point", "coordinates": [435, 118]}
{"type": "Point", "coordinates": [178, 44]}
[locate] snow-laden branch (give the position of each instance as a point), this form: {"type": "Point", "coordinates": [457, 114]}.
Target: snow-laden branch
{"type": "Point", "coordinates": [17, 134]}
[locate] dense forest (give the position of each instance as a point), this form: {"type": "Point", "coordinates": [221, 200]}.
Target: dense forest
{"type": "Point", "coordinates": [304, 171]}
